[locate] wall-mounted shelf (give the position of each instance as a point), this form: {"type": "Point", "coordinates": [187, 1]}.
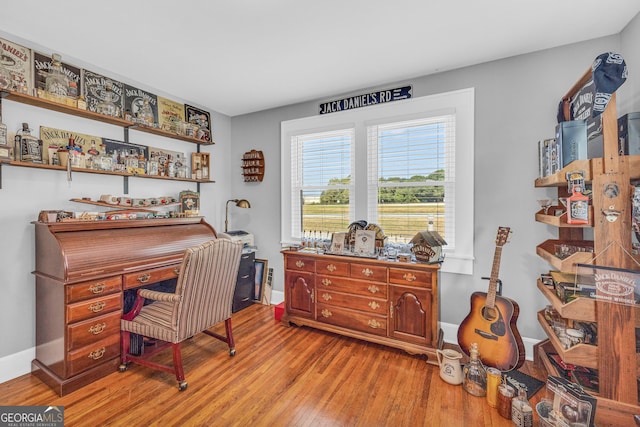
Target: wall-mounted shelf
{"type": "Point", "coordinates": [62, 108]}
{"type": "Point", "coordinates": [122, 207]}
{"type": "Point", "coordinates": [253, 166]}
{"type": "Point", "coordinates": [125, 124]}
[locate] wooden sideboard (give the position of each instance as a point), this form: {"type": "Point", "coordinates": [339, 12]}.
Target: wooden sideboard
{"type": "Point", "coordinates": [385, 302]}
{"type": "Point", "coordinates": [82, 270]}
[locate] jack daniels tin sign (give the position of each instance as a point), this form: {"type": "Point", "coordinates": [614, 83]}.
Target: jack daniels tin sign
{"type": "Point", "coordinates": [366, 100]}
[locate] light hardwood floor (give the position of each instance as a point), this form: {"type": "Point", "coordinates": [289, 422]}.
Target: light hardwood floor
{"type": "Point", "coordinates": [280, 376]}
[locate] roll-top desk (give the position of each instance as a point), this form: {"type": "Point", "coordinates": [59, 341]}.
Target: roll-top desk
{"type": "Point", "coordinates": [82, 269]}
{"type": "Point", "coordinates": [385, 302]}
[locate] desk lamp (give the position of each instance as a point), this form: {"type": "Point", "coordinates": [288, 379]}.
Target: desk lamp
{"type": "Point", "coordinates": [241, 203]}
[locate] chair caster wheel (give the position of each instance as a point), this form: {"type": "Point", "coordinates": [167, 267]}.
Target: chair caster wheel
{"type": "Point", "coordinates": [182, 385]}
{"type": "Point", "coordinates": [123, 367]}
{"type": "Point", "coordinates": [232, 352]}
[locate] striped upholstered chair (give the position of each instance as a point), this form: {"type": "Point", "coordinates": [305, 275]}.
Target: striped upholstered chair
{"type": "Point", "coordinates": [202, 299]}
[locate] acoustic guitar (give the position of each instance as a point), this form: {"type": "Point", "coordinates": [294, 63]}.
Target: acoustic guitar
{"type": "Point", "coordinates": [491, 323]}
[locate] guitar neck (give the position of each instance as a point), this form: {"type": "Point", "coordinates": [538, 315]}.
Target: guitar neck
{"type": "Point", "coordinates": [493, 280]}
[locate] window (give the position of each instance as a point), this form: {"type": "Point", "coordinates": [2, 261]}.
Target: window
{"type": "Point", "coordinates": [321, 182]}
{"type": "Point", "coordinates": [411, 176]}
{"type": "Point", "coordinates": [391, 164]}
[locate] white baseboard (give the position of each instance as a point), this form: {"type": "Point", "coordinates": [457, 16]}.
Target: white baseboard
{"type": "Point", "coordinates": [451, 336]}
{"type": "Point", "coordinates": [17, 364]}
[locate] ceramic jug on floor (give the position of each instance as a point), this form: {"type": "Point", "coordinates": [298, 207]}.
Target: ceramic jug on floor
{"type": "Point", "coordinates": [450, 368]}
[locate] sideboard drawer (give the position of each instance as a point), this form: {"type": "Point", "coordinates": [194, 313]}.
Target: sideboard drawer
{"type": "Point", "coordinates": [355, 320]}
{"type": "Point", "coordinates": [361, 303]}
{"type": "Point", "coordinates": [90, 308]}
{"type": "Point", "coordinates": [93, 355]}
{"type": "Point", "coordinates": [81, 334]}
{"type": "Point", "coordinates": [92, 289]}
{"type": "Point", "coordinates": [141, 278]}
{"type": "Point", "coordinates": [356, 287]}
{"type": "Point", "coordinates": [410, 277]}
{"type": "Point", "coordinates": [369, 272]}
{"type": "Point", "coordinates": [332, 268]}
{"type": "Point", "coordinates": [301, 264]}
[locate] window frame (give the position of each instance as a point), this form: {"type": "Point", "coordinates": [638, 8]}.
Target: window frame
{"type": "Point", "coordinates": [459, 260]}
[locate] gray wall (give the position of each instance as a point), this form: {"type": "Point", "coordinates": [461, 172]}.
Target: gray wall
{"type": "Point", "coordinates": [516, 101]}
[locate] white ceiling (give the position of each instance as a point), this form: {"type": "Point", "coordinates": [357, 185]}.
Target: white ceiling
{"type": "Point", "coordinates": [241, 56]}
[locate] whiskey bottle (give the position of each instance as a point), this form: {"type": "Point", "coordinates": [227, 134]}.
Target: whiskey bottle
{"type": "Point", "coordinates": [521, 410]}
{"type": "Point", "coordinates": [475, 376]}
{"type": "Point", "coordinates": [56, 82]}
{"type": "Point", "coordinates": [577, 206]}
{"type": "Point", "coordinates": [146, 114]}
{"type": "Point", "coordinates": [107, 106]}
{"type": "Point", "coordinates": [28, 148]}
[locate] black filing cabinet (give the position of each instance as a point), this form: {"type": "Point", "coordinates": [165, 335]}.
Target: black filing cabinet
{"type": "Point", "coordinates": [243, 295]}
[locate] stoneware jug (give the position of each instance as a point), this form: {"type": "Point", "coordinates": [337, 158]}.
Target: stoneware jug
{"type": "Point", "coordinates": [450, 368]}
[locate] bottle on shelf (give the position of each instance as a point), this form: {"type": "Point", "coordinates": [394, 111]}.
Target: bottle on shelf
{"type": "Point", "coordinates": [107, 106]}
{"type": "Point", "coordinates": [56, 82]}
{"type": "Point", "coordinates": [577, 206]}
{"type": "Point", "coordinates": [27, 148]}
{"type": "Point", "coordinates": [521, 410]}
{"type": "Point", "coordinates": [475, 375]}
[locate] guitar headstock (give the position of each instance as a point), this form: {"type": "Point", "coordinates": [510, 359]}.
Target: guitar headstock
{"type": "Point", "coordinates": [503, 235]}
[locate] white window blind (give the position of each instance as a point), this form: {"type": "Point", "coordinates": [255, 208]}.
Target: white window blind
{"type": "Point", "coordinates": [411, 177]}
{"type": "Point", "coordinates": [321, 167]}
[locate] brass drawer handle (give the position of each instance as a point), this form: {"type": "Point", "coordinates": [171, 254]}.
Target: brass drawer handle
{"type": "Point", "coordinates": [98, 306]}
{"type": "Point", "coordinates": [326, 282]}
{"type": "Point", "coordinates": [177, 271]}
{"type": "Point", "coordinates": [374, 324]}
{"type": "Point", "coordinates": [144, 278]}
{"type": "Point", "coordinates": [374, 305]}
{"type": "Point", "coordinates": [326, 297]}
{"type": "Point", "coordinates": [326, 313]}
{"type": "Point", "coordinates": [373, 289]}
{"type": "Point", "coordinates": [97, 354]}
{"type": "Point", "coordinates": [97, 288]}
{"type": "Point", "coordinates": [299, 263]}
{"type": "Point", "coordinates": [409, 277]}
{"type": "Point", "coordinates": [98, 328]}
{"type": "Point", "coordinates": [331, 268]}
{"type": "Point", "coordinates": [367, 272]}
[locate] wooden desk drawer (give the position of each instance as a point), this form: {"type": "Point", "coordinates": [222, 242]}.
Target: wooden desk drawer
{"type": "Point", "coordinates": [301, 264]}
{"type": "Point", "coordinates": [93, 355]}
{"type": "Point", "coordinates": [351, 286]}
{"type": "Point", "coordinates": [89, 331]}
{"type": "Point", "coordinates": [92, 289]}
{"type": "Point", "coordinates": [141, 278]}
{"type": "Point", "coordinates": [93, 307]}
{"type": "Point", "coordinates": [355, 320]}
{"type": "Point", "coordinates": [332, 268]}
{"type": "Point", "coordinates": [409, 277]}
{"type": "Point", "coordinates": [361, 303]}
{"type": "Point", "coordinates": [369, 272]}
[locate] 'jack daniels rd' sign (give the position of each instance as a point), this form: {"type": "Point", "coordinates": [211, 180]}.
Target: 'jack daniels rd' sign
{"type": "Point", "coordinates": [366, 100]}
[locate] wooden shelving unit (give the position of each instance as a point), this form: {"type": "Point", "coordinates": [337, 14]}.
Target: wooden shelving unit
{"type": "Point", "coordinates": [85, 114]}
{"type": "Point", "coordinates": [253, 166]}
{"type": "Point", "coordinates": [615, 355]}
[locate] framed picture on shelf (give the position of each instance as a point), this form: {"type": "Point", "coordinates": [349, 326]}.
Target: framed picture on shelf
{"type": "Point", "coordinates": [190, 203]}
{"type": "Point", "coordinates": [201, 119]}
{"type": "Point", "coordinates": [200, 165]}
{"type": "Point", "coordinates": [365, 243]}
{"type": "Point", "coordinates": [260, 278]}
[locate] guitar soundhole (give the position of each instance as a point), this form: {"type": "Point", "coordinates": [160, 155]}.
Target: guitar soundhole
{"type": "Point", "coordinates": [490, 314]}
